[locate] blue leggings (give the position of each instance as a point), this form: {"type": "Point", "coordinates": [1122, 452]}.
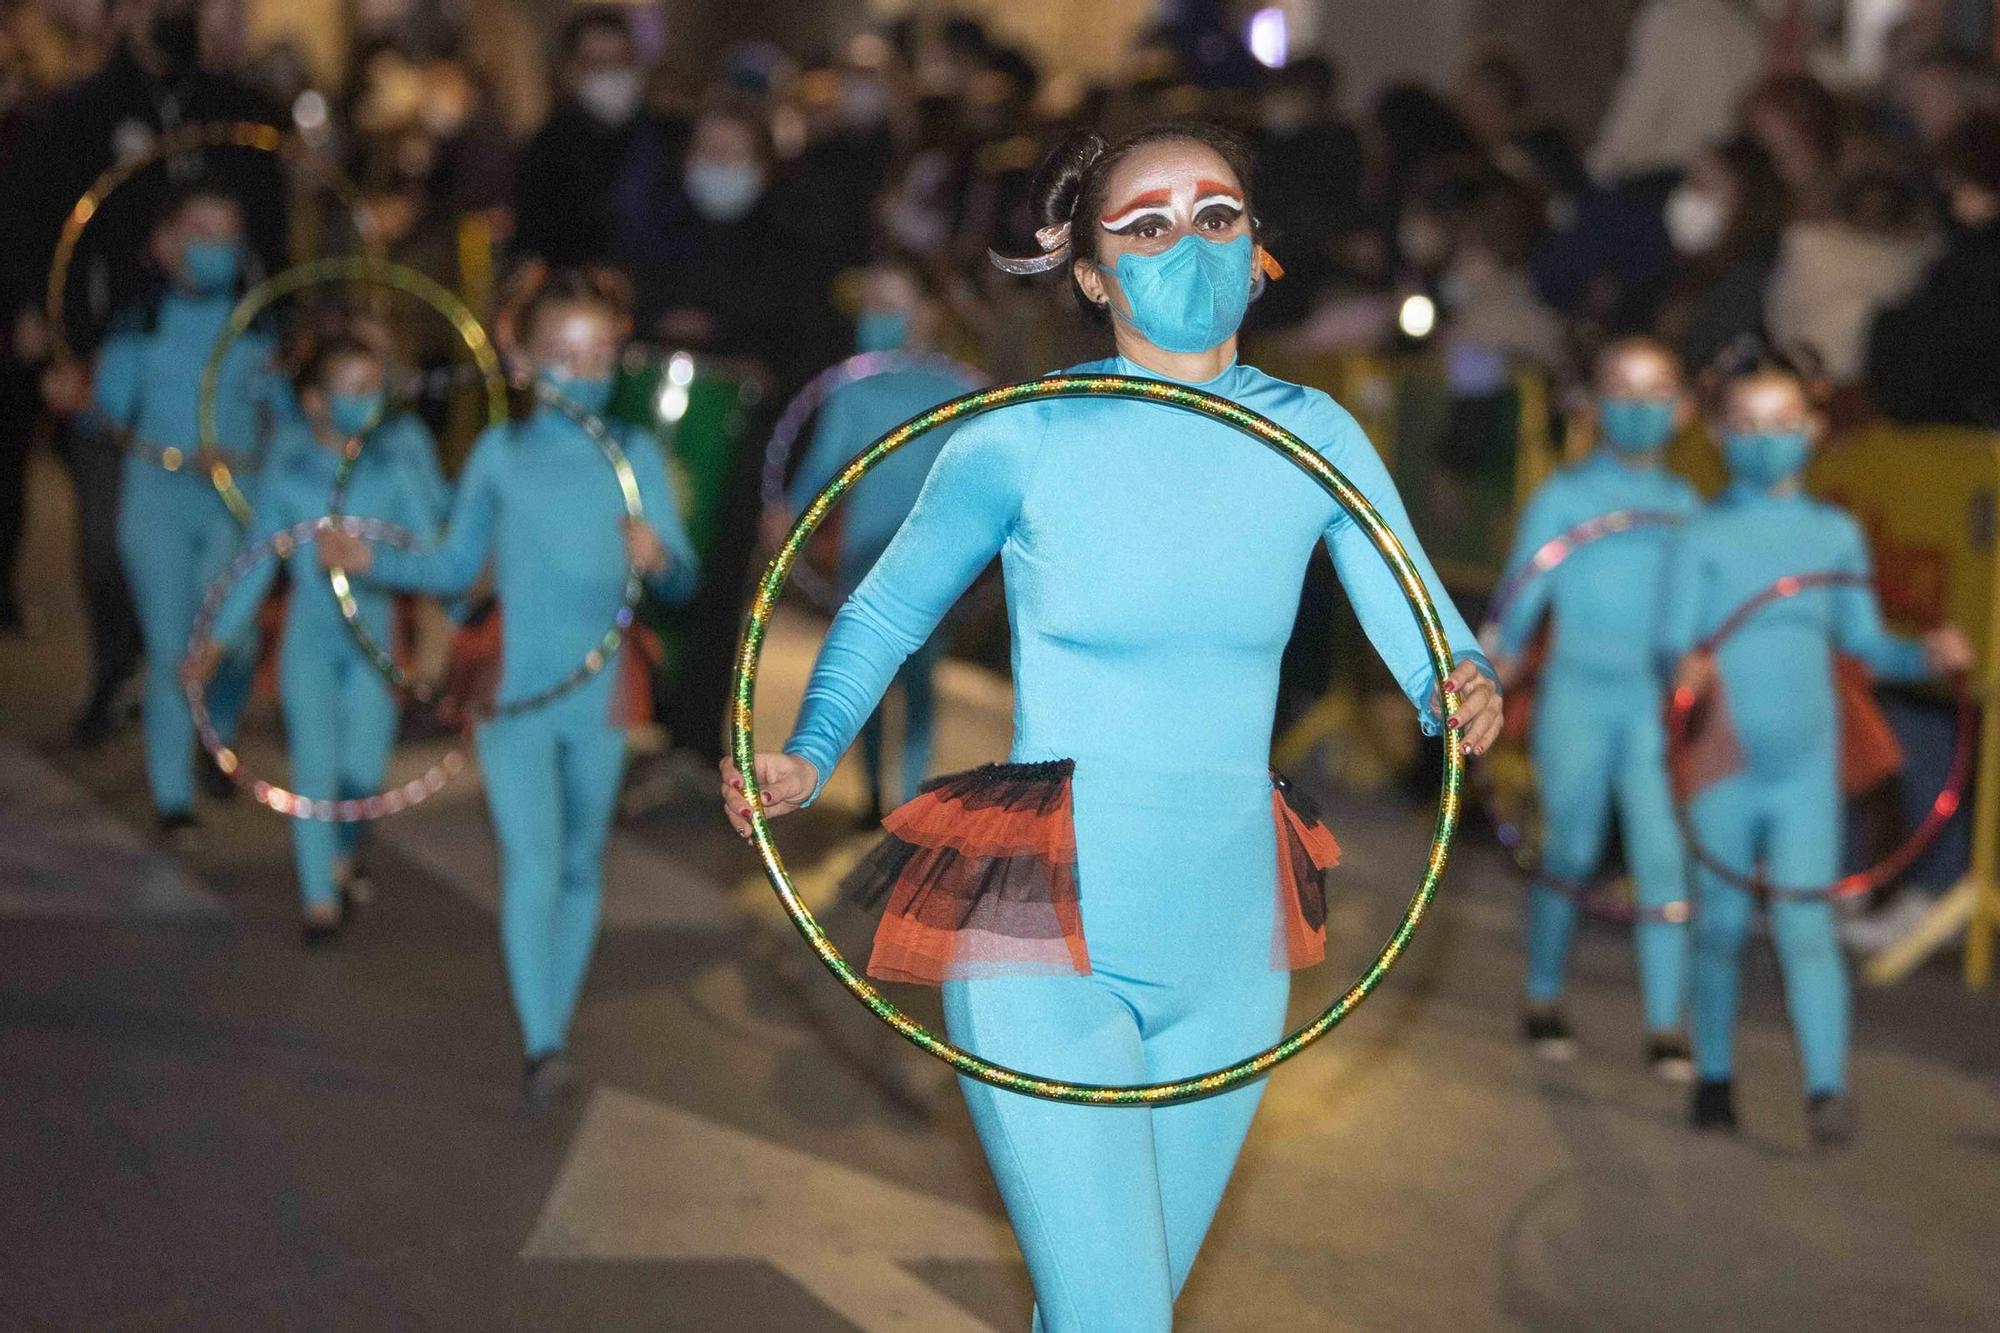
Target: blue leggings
{"type": "Point", "coordinates": [1597, 741]}
{"type": "Point", "coordinates": [1791, 826]}
{"type": "Point", "coordinates": [172, 547]}
{"type": "Point", "coordinates": [340, 723]}
{"type": "Point", "coordinates": [1110, 1204]}
{"type": "Point", "coordinates": [915, 676]}
{"type": "Point", "coordinates": [551, 786]}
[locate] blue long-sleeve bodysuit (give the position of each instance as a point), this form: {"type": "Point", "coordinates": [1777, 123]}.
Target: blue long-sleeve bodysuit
{"type": "Point", "coordinates": [1598, 738]}
{"type": "Point", "coordinates": [1783, 811]}
{"type": "Point", "coordinates": [540, 501]}
{"type": "Point", "coordinates": [1153, 561]}
{"type": "Point", "coordinates": [853, 417]}
{"type": "Point", "coordinates": [340, 715]}
{"type": "Point", "coordinates": [174, 533]}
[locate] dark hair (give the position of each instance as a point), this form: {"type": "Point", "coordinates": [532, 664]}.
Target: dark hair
{"type": "Point", "coordinates": [1971, 153]}
{"type": "Point", "coordinates": [609, 18]}
{"type": "Point", "coordinates": [1762, 202]}
{"type": "Point", "coordinates": [1070, 185]}
{"type": "Point", "coordinates": [1808, 105]}
{"type": "Point", "coordinates": [537, 290]}
{"type": "Point", "coordinates": [323, 352]}
{"type": "Point", "coordinates": [1754, 356]}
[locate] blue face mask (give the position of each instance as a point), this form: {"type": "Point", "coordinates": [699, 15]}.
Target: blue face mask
{"type": "Point", "coordinates": [211, 266]}
{"type": "Point", "coordinates": [1635, 425]}
{"type": "Point", "coordinates": [1189, 297]}
{"type": "Point", "coordinates": [591, 395]}
{"type": "Point", "coordinates": [1765, 458]}
{"type": "Point", "coordinates": [881, 330]}
{"type": "Point", "coordinates": [354, 413]}
{"type": "Point", "coordinates": [724, 191]}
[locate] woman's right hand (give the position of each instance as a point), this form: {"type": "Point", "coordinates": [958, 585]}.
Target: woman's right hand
{"type": "Point", "coordinates": [341, 549]}
{"type": "Point", "coordinates": [785, 780]}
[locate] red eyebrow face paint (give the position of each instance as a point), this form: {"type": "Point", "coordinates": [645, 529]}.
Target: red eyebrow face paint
{"type": "Point", "coordinates": [1149, 199]}
{"type": "Point", "coordinates": [1205, 187]}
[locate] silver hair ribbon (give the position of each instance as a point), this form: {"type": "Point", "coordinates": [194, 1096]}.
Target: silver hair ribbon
{"type": "Point", "coordinates": [1055, 253]}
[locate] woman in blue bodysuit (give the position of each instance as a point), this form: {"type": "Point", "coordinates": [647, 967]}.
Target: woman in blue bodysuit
{"type": "Point", "coordinates": [1153, 562]}
{"type": "Point", "coordinates": [174, 532]}
{"type": "Point", "coordinates": [340, 714]}
{"type": "Point", "coordinates": [1598, 739]}
{"type": "Point", "coordinates": [537, 499]}
{"type": "Point", "coordinates": [896, 315]}
{"type": "Point", "coordinates": [1780, 811]}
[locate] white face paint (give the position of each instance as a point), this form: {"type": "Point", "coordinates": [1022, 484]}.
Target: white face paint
{"type": "Point", "coordinates": [1158, 195]}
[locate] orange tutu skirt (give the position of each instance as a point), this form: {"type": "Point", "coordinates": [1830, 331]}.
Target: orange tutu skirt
{"type": "Point", "coordinates": [977, 877]}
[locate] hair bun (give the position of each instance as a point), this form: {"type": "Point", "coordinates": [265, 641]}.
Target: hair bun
{"type": "Point", "coordinates": [1059, 180]}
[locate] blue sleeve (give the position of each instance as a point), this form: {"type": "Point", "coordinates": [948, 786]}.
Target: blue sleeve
{"type": "Point", "coordinates": [1541, 522]}
{"type": "Point", "coordinates": [824, 455]}
{"type": "Point", "coordinates": [1858, 626]}
{"type": "Point", "coordinates": [269, 502]}
{"type": "Point", "coordinates": [453, 565]}
{"type": "Point", "coordinates": [663, 513]}
{"type": "Point", "coordinates": [962, 518]}
{"type": "Point", "coordinates": [415, 454]}
{"type": "Point", "coordinates": [1685, 580]}
{"type": "Point", "coordinates": [1371, 586]}
{"type": "Point", "coordinates": [121, 366]}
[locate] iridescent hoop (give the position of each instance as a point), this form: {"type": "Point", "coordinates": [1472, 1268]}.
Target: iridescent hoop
{"type": "Point", "coordinates": [594, 661]}
{"type": "Point", "coordinates": [1865, 881]}
{"type": "Point", "coordinates": [1506, 831]}
{"type": "Point", "coordinates": [355, 270]}
{"type": "Point", "coordinates": [286, 802]}
{"type": "Point", "coordinates": [187, 139]}
{"type": "Point", "coordinates": [743, 746]}
{"type": "Point", "coordinates": [792, 421]}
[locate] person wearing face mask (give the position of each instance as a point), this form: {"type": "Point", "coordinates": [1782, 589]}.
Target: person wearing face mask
{"type": "Point", "coordinates": [340, 714]}
{"type": "Point", "coordinates": [897, 315]}
{"type": "Point", "coordinates": [538, 501]}
{"type": "Point", "coordinates": [1726, 221]}
{"type": "Point", "coordinates": [843, 171]}
{"type": "Point", "coordinates": [1928, 357]}
{"type": "Point", "coordinates": [1597, 742]}
{"type": "Point", "coordinates": [175, 535]}
{"type": "Point", "coordinates": [153, 81]}
{"type": "Point", "coordinates": [1309, 181]}
{"type": "Point", "coordinates": [1778, 813]}
{"type": "Point", "coordinates": [567, 182]}
{"type": "Point", "coordinates": [1124, 899]}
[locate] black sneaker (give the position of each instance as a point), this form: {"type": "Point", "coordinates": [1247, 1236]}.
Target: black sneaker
{"type": "Point", "coordinates": [1830, 1120]}
{"type": "Point", "coordinates": [1548, 1035]}
{"type": "Point", "coordinates": [180, 832]}
{"type": "Point", "coordinates": [214, 783]}
{"type": "Point", "coordinates": [1714, 1108]}
{"type": "Point", "coordinates": [544, 1080]}
{"type": "Point", "coordinates": [1667, 1058]}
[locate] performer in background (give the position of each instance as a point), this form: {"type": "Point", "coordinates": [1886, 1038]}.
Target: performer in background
{"type": "Point", "coordinates": [1122, 901]}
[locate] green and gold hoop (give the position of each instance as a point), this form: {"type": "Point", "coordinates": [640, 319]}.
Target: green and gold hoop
{"type": "Point", "coordinates": [1331, 480]}
{"type": "Point", "coordinates": [343, 270]}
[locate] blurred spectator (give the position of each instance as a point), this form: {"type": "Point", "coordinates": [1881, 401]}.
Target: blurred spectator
{"type": "Point", "coordinates": [1307, 185]}
{"type": "Point", "coordinates": [1495, 324]}
{"type": "Point", "coordinates": [1835, 274]}
{"type": "Point", "coordinates": [1687, 66]}
{"type": "Point", "coordinates": [717, 267]}
{"type": "Point", "coordinates": [571, 172]}
{"type": "Point", "coordinates": [1725, 221]}
{"type": "Point", "coordinates": [1941, 89]}
{"type": "Point", "coordinates": [842, 170]}
{"type": "Point", "coordinates": [1798, 124]}
{"type": "Point", "coordinates": [1498, 105]}
{"type": "Point", "coordinates": [1931, 358]}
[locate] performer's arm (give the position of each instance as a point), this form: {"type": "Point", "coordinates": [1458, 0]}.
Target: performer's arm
{"type": "Point", "coordinates": [676, 582]}
{"type": "Point", "coordinates": [453, 565]}
{"type": "Point", "coordinates": [962, 518]}
{"type": "Point", "coordinates": [1541, 522]}
{"type": "Point", "coordinates": [1858, 626]}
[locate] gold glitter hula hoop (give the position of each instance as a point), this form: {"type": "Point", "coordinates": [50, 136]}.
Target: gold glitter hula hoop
{"type": "Point", "coordinates": [354, 270]}
{"type": "Point", "coordinates": [244, 134]}
{"type": "Point", "coordinates": [1330, 479]}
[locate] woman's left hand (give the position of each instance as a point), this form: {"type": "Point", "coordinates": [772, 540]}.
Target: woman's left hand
{"type": "Point", "coordinates": [644, 550]}
{"type": "Point", "coordinates": [1478, 719]}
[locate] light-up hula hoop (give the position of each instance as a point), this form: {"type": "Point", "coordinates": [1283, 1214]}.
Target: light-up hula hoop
{"type": "Point", "coordinates": [1330, 478]}
{"type": "Point", "coordinates": [1546, 558]}
{"type": "Point", "coordinates": [246, 135]}
{"type": "Point", "coordinates": [1943, 807]}
{"type": "Point", "coordinates": [791, 424]}
{"type": "Point", "coordinates": [286, 802]}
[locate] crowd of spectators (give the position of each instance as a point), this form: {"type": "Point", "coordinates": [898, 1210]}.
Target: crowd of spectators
{"type": "Point", "coordinates": [1736, 184]}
